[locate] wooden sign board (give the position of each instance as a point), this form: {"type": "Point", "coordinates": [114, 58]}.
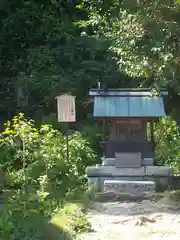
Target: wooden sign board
{"type": "Point", "coordinates": [66, 108]}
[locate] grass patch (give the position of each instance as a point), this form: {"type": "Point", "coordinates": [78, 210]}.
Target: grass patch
{"type": "Point", "coordinates": [72, 218]}
{"type": "Point", "coordinates": [28, 216]}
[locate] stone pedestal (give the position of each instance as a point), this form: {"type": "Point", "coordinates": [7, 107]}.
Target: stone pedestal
{"type": "Point", "coordinates": [158, 171]}
{"type": "Point", "coordinates": [97, 175]}
{"type": "Point", "coordinates": [105, 171]}
{"type": "Point", "coordinates": [135, 189]}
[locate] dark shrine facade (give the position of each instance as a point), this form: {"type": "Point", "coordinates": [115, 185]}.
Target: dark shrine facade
{"type": "Point", "coordinates": [128, 118]}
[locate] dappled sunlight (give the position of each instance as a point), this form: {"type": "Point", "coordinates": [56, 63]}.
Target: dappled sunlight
{"type": "Point", "coordinates": [146, 219]}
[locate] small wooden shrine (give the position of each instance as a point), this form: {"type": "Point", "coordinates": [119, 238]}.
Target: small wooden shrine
{"type": "Point", "coordinates": [127, 116]}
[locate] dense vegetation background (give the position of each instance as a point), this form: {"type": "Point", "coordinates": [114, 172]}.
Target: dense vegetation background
{"type": "Point", "coordinates": [51, 47]}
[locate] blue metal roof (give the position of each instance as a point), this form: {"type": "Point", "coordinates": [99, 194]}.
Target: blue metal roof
{"type": "Point", "coordinates": [116, 106]}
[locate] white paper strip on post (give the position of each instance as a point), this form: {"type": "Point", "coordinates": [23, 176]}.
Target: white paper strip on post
{"type": "Point", "coordinates": [66, 108]}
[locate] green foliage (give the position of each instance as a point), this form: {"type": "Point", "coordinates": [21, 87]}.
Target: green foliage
{"type": "Point", "coordinates": [143, 36]}
{"type": "Point", "coordinates": [23, 217]}
{"type": "Point", "coordinates": [29, 216]}
{"type": "Point", "coordinates": [38, 169]}
{"type": "Point", "coordinates": [51, 119]}
{"type": "Point", "coordinates": [43, 153]}
{"type": "Point", "coordinates": [94, 133]}
{"type": "Point", "coordinates": [168, 143]}
{"type": "Point", "coordinates": [68, 46]}
{"type": "Point", "coordinates": [54, 53]}
{"type": "Point", "coordinates": [73, 216]}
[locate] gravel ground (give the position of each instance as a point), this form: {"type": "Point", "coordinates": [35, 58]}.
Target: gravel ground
{"type": "Point", "coordinates": [145, 220]}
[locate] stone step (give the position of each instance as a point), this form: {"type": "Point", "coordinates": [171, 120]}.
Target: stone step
{"type": "Point", "coordinates": [136, 189]}
{"type": "Point", "coordinates": [108, 171]}
{"type": "Point", "coordinates": [112, 171]}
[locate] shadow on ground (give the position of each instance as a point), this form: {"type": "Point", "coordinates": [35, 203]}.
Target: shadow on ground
{"type": "Point", "coordinates": [54, 232]}
{"type": "Point", "coordinates": [30, 224]}
{"type": "Point", "coordinates": [136, 208]}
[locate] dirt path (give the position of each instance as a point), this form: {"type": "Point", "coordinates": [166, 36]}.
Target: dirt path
{"type": "Point", "coordinates": [134, 221]}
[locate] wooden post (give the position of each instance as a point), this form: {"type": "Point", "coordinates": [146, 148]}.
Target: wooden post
{"type": "Point", "coordinates": [104, 136]}
{"type": "Point", "coordinates": [67, 141]}
{"type": "Point", "coordinates": [66, 113]}
{"type": "Point", "coordinates": [152, 136]}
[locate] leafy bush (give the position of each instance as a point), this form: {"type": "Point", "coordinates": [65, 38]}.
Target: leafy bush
{"type": "Point", "coordinates": [22, 217]}
{"type": "Point", "coordinates": [94, 134]}
{"type": "Point", "coordinates": [30, 217]}
{"type": "Point", "coordinates": [36, 165]}
{"type": "Point", "coordinates": [28, 153]}
{"type": "Point", "coordinates": [51, 119]}
{"type": "Point", "coordinates": [73, 218]}
{"type": "Point", "coordinates": [168, 144]}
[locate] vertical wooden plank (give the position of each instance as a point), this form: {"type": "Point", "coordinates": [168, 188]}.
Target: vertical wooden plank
{"type": "Point", "coordinates": [144, 129]}
{"type": "Point", "coordinates": [104, 136]}
{"type": "Point", "coordinates": [152, 136]}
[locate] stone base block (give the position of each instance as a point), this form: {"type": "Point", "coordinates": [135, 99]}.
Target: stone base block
{"type": "Point", "coordinates": [162, 183]}
{"type": "Point", "coordinates": [131, 188]}
{"type": "Point", "coordinates": [159, 171]}
{"type": "Point", "coordinates": [128, 160]}
{"type": "Point", "coordinates": [108, 162]}
{"type": "Point", "coordinates": [112, 171]}
{"type": "Point", "coordinates": [147, 162]}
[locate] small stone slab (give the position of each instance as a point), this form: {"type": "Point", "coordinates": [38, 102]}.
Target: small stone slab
{"type": "Point", "coordinates": [112, 171]}
{"type": "Point", "coordinates": [108, 162]}
{"type": "Point", "coordinates": [147, 162]}
{"type": "Point", "coordinates": [128, 160]}
{"type": "Point", "coordinates": [131, 188]}
{"type": "Point", "coordinates": [158, 171]}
